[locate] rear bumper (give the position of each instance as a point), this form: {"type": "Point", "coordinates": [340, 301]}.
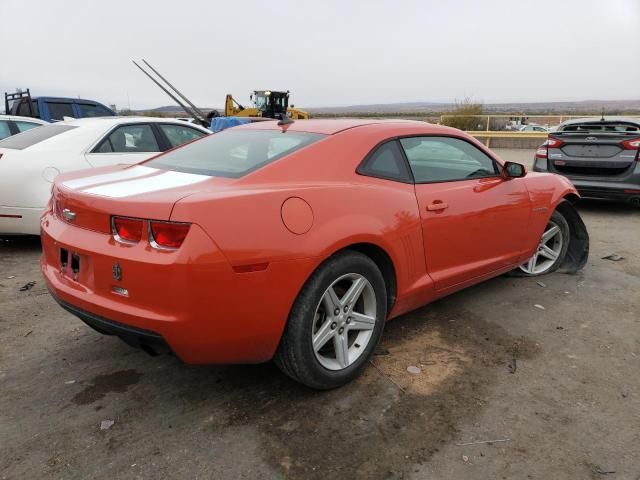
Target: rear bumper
{"type": "Point", "coordinates": [608, 190]}
{"type": "Point", "coordinates": [20, 220]}
{"type": "Point", "coordinates": [191, 299]}
{"type": "Point", "coordinates": [146, 340]}
{"type": "Point", "coordinates": [625, 189]}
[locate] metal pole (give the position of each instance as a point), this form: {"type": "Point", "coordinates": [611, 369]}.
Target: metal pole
{"type": "Point", "coordinates": [195, 109]}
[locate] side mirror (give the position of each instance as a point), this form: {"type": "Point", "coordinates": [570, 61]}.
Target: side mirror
{"type": "Point", "coordinates": [513, 170]}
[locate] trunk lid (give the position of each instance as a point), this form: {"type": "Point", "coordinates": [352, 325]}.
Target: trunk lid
{"type": "Point", "coordinates": [89, 200]}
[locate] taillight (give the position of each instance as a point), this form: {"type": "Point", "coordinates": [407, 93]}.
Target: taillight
{"type": "Point", "coordinates": [541, 152]}
{"type": "Point", "coordinates": [169, 235]}
{"type": "Point", "coordinates": [553, 142]}
{"type": "Point", "coordinates": [631, 144]}
{"type": "Point", "coordinates": [127, 229]}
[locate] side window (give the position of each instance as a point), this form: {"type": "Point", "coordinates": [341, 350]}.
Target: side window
{"type": "Point", "coordinates": [4, 129]}
{"type": "Point", "coordinates": [87, 110]}
{"type": "Point", "coordinates": [386, 161]}
{"type": "Point", "coordinates": [442, 159]}
{"type": "Point", "coordinates": [58, 110]}
{"type": "Point", "coordinates": [137, 138]}
{"type": "Point", "coordinates": [23, 108]}
{"type": "Point", "coordinates": [24, 126]}
{"type": "Point", "coordinates": [179, 134]}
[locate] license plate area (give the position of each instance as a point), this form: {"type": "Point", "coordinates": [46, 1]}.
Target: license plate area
{"type": "Point", "coordinates": [69, 264]}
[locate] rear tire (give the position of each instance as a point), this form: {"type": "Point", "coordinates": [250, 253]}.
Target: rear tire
{"type": "Point", "coordinates": [551, 250]}
{"type": "Point", "coordinates": [335, 323]}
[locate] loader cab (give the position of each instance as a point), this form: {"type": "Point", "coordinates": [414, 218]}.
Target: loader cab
{"type": "Point", "coordinates": [271, 104]}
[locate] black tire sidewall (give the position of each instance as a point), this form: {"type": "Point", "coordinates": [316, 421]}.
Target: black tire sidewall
{"type": "Point", "coordinates": [308, 369]}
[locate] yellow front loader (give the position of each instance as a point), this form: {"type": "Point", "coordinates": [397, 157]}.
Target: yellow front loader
{"type": "Point", "coordinates": [266, 103]}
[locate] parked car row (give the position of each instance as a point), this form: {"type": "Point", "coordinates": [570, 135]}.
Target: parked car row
{"type": "Point", "coordinates": [292, 241]}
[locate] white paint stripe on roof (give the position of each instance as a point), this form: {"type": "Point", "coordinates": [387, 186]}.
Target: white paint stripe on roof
{"type": "Point", "coordinates": [125, 174]}
{"type": "Point", "coordinates": [154, 183]}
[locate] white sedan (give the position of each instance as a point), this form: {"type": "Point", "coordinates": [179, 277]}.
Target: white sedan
{"type": "Point", "coordinates": [31, 160]}
{"type": "Point", "coordinates": [12, 125]}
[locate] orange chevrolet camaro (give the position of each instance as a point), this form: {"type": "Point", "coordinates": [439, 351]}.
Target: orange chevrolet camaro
{"type": "Point", "coordinates": [297, 241]}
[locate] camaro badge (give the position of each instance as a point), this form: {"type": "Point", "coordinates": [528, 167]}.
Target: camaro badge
{"type": "Point", "coordinates": [117, 271]}
{"type": "Point", "coordinates": [68, 215]}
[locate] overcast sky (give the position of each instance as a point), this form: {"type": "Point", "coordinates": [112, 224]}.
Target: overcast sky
{"type": "Point", "coordinates": [330, 52]}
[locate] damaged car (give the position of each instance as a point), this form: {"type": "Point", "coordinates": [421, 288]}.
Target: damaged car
{"type": "Point", "coordinates": [297, 241]}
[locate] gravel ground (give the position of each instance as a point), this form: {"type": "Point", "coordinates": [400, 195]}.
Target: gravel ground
{"type": "Point", "coordinates": [558, 387]}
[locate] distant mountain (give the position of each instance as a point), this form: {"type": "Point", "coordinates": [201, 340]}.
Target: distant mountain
{"type": "Point", "coordinates": [176, 109]}
{"type": "Point", "coordinates": [593, 106]}
{"type": "Point", "coordinates": [532, 107]}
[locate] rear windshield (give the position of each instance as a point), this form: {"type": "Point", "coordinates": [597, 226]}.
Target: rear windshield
{"type": "Point", "coordinates": [36, 135]}
{"type": "Point", "coordinates": [233, 153]}
{"type": "Point", "coordinates": [613, 127]}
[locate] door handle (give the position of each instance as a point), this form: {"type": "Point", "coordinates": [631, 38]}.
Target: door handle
{"type": "Point", "coordinates": [437, 205]}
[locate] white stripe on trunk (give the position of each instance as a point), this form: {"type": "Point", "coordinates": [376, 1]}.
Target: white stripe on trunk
{"type": "Point", "coordinates": [154, 183]}
{"type": "Point", "coordinates": [125, 174]}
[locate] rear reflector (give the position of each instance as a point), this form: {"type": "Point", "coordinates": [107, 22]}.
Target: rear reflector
{"type": "Point", "coordinates": [632, 144]}
{"type": "Point", "coordinates": [126, 229]}
{"type": "Point", "coordinates": [253, 267]}
{"type": "Point", "coordinates": [541, 152]}
{"type": "Point", "coordinates": [168, 235]}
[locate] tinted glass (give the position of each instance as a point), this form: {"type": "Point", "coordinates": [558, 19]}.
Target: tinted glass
{"type": "Point", "coordinates": [24, 126]}
{"type": "Point", "coordinates": [33, 136]}
{"type": "Point", "coordinates": [4, 129]}
{"type": "Point", "coordinates": [179, 134]}
{"type": "Point", "coordinates": [137, 138]}
{"type": "Point", "coordinates": [58, 111]}
{"type": "Point", "coordinates": [23, 108]}
{"type": "Point", "coordinates": [87, 110]}
{"type": "Point", "coordinates": [601, 127]}
{"type": "Point", "coordinates": [441, 159]}
{"type": "Point", "coordinates": [233, 153]}
{"type": "Point", "coordinates": [386, 162]}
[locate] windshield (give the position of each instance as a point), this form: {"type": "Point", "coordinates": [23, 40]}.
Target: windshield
{"type": "Point", "coordinates": [33, 136]}
{"type": "Point", "coordinates": [233, 153]}
{"type": "Point", "coordinates": [261, 101]}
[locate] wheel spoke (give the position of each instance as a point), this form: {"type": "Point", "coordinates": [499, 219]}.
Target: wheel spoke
{"type": "Point", "coordinates": [354, 291]}
{"type": "Point", "coordinates": [341, 347]}
{"type": "Point", "coordinates": [547, 252]}
{"type": "Point", "coordinates": [549, 234]}
{"type": "Point", "coordinates": [360, 321]}
{"type": "Point", "coordinates": [330, 301]}
{"type": "Point", "coordinates": [532, 263]}
{"type": "Point", "coordinates": [323, 335]}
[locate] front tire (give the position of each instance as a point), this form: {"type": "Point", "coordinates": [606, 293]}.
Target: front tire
{"type": "Point", "coordinates": [336, 322]}
{"type": "Point", "coordinates": [552, 248]}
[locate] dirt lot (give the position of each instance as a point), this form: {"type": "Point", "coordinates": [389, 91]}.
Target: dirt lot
{"type": "Point", "coordinates": [559, 385]}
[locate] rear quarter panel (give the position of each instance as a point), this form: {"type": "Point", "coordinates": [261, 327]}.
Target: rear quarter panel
{"type": "Point", "coordinates": [248, 227]}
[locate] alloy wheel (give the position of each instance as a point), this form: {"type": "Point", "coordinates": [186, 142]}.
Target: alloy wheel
{"type": "Point", "coordinates": [344, 321]}
{"type": "Point", "coordinates": [549, 249]}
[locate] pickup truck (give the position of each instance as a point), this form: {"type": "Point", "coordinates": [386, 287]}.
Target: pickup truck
{"type": "Point", "coordinates": [53, 109]}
